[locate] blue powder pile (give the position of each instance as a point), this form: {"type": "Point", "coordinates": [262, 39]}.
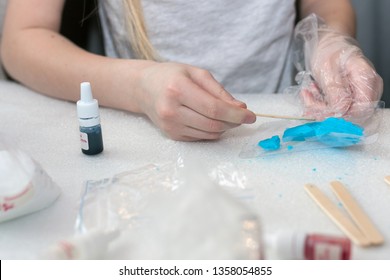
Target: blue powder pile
{"type": "Point", "coordinates": [333, 132]}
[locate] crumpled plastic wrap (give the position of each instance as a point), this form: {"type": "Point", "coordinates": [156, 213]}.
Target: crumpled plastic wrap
{"type": "Point", "coordinates": [175, 210]}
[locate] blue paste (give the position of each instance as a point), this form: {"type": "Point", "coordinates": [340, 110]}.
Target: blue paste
{"type": "Point", "coordinates": [333, 132]}
{"type": "Point", "coordinates": [270, 144]}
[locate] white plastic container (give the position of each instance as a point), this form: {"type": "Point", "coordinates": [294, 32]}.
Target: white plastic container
{"type": "Point", "coordinates": [24, 186]}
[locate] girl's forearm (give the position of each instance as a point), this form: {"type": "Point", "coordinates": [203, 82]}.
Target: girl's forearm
{"type": "Point", "coordinates": [49, 63]}
{"type": "Point", "coordinates": [338, 14]}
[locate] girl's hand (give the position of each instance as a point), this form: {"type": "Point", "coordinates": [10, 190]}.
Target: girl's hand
{"type": "Point", "coordinates": [347, 83]}
{"type": "Point", "coordinates": [336, 78]}
{"type": "Point", "coordinates": [187, 103]}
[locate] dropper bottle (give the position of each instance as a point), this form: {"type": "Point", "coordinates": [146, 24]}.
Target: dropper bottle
{"type": "Point", "coordinates": [297, 245]}
{"type": "Point", "coordinates": [88, 114]}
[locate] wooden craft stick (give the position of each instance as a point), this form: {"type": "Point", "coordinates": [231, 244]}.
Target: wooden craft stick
{"type": "Point", "coordinates": [387, 180]}
{"type": "Point", "coordinates": [337, 216]}
{"type": "Point", "coordinates": [357, 214]}
{"type": "Point", "coordinates": [284, 117]}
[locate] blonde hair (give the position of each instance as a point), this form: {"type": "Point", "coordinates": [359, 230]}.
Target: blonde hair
{"type": "Point", "coordinates": [138, 36]}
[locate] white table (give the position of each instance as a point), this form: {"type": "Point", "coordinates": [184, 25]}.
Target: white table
{"type": "Point", "coordinates": [48, 130]}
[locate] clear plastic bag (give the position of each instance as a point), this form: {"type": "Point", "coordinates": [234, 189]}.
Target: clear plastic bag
{"type": "Point", "coordinates": [317, 137]}
{"type": "Point", "coordinates": [119, 202]}
{"type": "Point", "coordinates": [176, 210]}
{"type": "Point", "coordinates": [24, 186]}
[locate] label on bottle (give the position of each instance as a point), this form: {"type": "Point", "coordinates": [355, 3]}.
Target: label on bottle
{"type": "Point", "coordinates": [326, 251]}
{"type": "Point", "coordinates": [84, 141]}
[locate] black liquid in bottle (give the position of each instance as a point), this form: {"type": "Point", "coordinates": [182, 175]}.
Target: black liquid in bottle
{"type": "Point", "coordinates": [91, 140]}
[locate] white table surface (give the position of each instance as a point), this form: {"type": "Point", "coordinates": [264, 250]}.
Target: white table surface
{"type": "Point", "coordinates": [48, 130]}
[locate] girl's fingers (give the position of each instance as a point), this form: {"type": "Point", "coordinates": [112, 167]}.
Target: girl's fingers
{"type": "Point", "coordinates": [206, 81]}
{"type": "Point", "coordinates": [206, 104]}
{"type": "Point", "coordinates": [197, 121]}
{"type": "Point", "coordinates": [189, 125]}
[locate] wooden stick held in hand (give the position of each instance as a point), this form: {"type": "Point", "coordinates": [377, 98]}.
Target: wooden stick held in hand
{"type": "Point", "coordinates": [284, 117]}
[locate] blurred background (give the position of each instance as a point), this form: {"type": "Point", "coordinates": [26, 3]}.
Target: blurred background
{"type": "Point", "coordinates": [373, 25]}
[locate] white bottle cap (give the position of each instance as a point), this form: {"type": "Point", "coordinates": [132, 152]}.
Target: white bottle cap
{"type": "Point", "coordinates": [285, 245]}
{"type": "Point", "coordinates": [87, 107]}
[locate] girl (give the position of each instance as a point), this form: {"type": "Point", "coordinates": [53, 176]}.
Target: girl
{"type": "Point", "coordinates": [177, 61]}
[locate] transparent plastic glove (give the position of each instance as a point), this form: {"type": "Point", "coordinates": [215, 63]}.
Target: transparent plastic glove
{"type": "Point", "coordinates": [188, 104]}
{"type": "Point", "coordinates": [336, 79]}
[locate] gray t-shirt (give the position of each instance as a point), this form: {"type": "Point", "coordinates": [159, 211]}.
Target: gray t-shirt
{"type": "Point", "coordinates": [244, 44]}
